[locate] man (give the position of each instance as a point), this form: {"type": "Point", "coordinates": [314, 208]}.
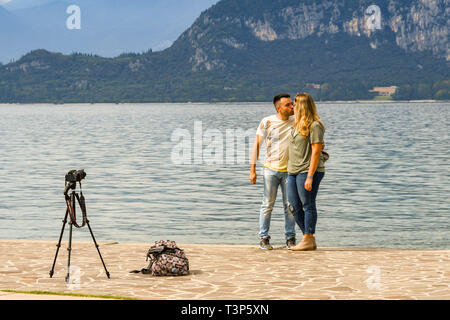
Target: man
{"type": "Point", "coordinates": [274, 131]}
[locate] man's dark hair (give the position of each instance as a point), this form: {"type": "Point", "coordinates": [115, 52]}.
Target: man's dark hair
{"type": "Point", "coordinates": [278, 97]}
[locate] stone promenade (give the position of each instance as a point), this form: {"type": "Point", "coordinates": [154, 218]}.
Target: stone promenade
{"type": "Point", "coordinates": [235, 272]}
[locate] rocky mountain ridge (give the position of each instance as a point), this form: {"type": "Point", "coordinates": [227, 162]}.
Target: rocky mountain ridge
{"type": "Point", "coordinates": [415, 26]}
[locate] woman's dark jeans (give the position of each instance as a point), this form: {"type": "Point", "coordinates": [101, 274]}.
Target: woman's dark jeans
{"type": "Point", "coordinates": [302, 203]}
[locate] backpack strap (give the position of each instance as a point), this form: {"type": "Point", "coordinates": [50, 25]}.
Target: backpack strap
{"type": "Point", "coordinates": [145, 270]}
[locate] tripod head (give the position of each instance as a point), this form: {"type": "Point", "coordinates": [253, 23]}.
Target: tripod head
{"type": "Point", "coordinates": [69, 185]}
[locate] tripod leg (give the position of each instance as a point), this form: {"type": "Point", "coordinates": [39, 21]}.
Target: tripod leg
{"type": "Point", "coordinates": [59, 243]}
{"type": "Point", "coordinates": [69, 248]}
{"type": "Point", "coordinates": [96, 245]}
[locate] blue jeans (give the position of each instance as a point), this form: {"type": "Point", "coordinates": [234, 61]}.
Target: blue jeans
{"type": "Point", "coordinates": [302, 203]}
{"type": "Point", "coordinates": [272, 179]}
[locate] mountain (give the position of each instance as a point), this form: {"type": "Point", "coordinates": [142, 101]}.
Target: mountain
{"type": "Point", "coordinates": [250, 50]}
{"type": "Point", "coordinates": [108, 27]}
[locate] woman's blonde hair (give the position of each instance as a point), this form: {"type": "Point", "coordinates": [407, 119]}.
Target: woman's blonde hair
{"type": "Point", "coordinates": [305, 114]}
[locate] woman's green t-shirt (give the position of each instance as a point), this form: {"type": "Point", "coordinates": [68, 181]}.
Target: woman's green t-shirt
{"type": "Point", "coordinates": [300, 149]}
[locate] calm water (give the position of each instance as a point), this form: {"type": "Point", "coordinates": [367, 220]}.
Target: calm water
{"type": "Point", "coordinates": [387, 182]}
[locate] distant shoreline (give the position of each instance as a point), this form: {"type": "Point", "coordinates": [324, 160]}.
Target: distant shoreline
{"type": "Point", "coordinates": [232, 103]}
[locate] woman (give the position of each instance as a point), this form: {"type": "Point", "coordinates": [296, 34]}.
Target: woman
{"type": "Point", "coordinates": [305, 168]}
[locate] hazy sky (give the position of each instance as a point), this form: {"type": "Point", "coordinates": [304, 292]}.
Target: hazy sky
{"type": "Point", "coordinates": [22, 4]}
{"type": "Point", "coordinates": [25, 2]}
{"type": "Point", "coordinates": [106, 30]}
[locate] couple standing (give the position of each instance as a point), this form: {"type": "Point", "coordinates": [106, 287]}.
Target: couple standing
{"type": "Point", "coordinates": [294, 139]}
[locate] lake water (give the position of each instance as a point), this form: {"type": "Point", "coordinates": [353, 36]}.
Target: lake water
{"type": "Point", "coordinates": [386, 184]}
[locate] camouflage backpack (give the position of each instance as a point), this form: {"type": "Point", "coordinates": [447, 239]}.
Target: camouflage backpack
{"type": "Point", "coordinates": [166, 259]}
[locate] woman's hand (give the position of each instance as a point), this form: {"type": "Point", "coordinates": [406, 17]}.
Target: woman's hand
{"type": "Point", "coordinates": [316, 151]}
{"type": "Point", "coordinates": [308, 184]}
{"type": "Point", "coordinates": [253, 177]}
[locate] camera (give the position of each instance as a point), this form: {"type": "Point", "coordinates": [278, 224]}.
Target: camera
{"type": "Point", "coordinates": [75, 175]}
{"type": "Point", "coordinates": [71, 179]}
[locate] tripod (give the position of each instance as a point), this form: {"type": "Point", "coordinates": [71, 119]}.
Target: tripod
{"type": "Point", "coordinates": [70, 211]}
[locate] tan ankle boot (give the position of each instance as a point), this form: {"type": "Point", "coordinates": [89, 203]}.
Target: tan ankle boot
{"type": "Point", "coordinates": [314, 241]}
{"type": "Point", "coordinates": [307, 243]}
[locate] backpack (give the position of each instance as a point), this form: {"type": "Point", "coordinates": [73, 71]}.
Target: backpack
{"type": "Point", "coordinates": [166, 259]}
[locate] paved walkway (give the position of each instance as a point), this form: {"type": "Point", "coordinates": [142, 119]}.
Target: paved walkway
{"type": "Point", "coordinates": [227, 272]}
{"type": "Point", "coordinates": [27, 296]}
